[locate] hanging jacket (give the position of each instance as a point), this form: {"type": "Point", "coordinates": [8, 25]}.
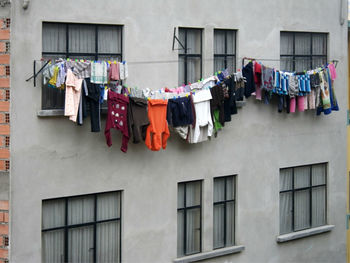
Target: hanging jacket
{"type": "Point", "coordinates": [179, 112]}
{"type": "Point", "coordinates": [230, 102]}
{"type": "Point", "coordinates": [138, 118]}
{"type": "Point", "coordinates": [157, 131]}
{"type": "Point", "coordinates": [117, 118]}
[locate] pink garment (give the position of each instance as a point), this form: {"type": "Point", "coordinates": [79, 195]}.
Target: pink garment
{"type": "Point", "coordinates": [258, 93]}
{"type": "Point", "coordinates": [114, 72]}
{"type": "Point", "coordinates": [306, 104]}
{"type": "Point", "coordinates": [332, 71]}
{"type": "Point", "coordinates": [301, 103]}
{"type": "Point", "coordinates": [292, 105]}
{"type": "Point", "coordinates": [73, 91]}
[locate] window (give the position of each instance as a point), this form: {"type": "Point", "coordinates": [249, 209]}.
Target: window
{"type": "Point", "coordinates": [82, 228]}
{"type": "Point", "coordinates": [224, 211]}
{"type": "Point", "coordinates": [189, 202]}
{"type": "Point", "coordinates": [303, 193]}
{"type": "Point", "coordinates": [190, 55]}
{"type": "Point", "coordinates": [224, 50]}
{"type": "Point", "coordinates": [302, 51]}
{"type": "Point", "coordinates": [81, 41]}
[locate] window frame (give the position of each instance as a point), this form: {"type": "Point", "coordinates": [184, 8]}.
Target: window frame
{"type": "Point", "coordinates": [310, 56]}
{"type": "Point", "coordinates": [310, 188]}
{"type": "Point", "coordinates": [224, 202]}
{"type": "Point", "coordinates": [226, 55]}
{"type": "Point", "coordinates": [94, 223]}
{"type": "Point", "coordinates": [95, 54]}
{"type": "Point", "coordinates": [57, 95]}
{"type": "Point", "coordinates": [185, 209]}
{"type": "Point", "coordinates": [185, 55]}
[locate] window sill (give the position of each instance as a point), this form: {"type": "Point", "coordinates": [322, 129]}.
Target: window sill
{"type": "Point", "coordinates": [211, 254]}
{"type": "Point", "coordinates": [50, 113]}
{"type": "Point", "coordinates": [304, 233]}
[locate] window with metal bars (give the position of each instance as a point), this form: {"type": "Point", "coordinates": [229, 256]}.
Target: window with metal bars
{"type": "Point", "coordinates": [82, 228]}
{"type": "Point", "coordinates": [301, 51]}
{"type": "Point", "coordinates": [190, 55]}
{"type": "Point", "coordinates": [78, 41]}
{"type": "Point", "coordinates": [224, 211]}
{"type": "Point", "coordinates": [189, 214]}
{"type": "Point", "coordinates": [224, 50]}
{"type": "Point", "coordinates": [303, 197]}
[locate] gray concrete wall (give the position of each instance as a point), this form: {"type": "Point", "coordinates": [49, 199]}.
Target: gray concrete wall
{"type": "Point", "coordinates": [52, 157]}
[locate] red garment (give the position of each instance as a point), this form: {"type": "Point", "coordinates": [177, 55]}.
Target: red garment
{"type": "Point", "coordinates": [257, 74]}
{"type": "Point", "coordinates": [114, 72]}
{"type": "Point", "coordinates": [117, 118]}
{"type": "Point", "coordinates": [157, 132]}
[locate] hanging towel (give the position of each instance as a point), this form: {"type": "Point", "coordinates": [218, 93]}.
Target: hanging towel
{"type": "Point", "coordinates": [99, 72]}
{"type": "Point", "coordinates": [123, 70]}
{"type": "Point", "coordinates": [113, 71]}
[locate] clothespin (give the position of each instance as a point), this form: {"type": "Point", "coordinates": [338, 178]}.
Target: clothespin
{"type": "Point", "coordinates": [198, 81]}
{"type": "Point", "coordinates": [202, 79]}
{"type": "Point", "coordinates": [129, 89]}
{"type": "Point", "coordinates": [76, 60]}
{"type": "Point", "coordinates": [123, 62]}
{"type": "Point", "coordinates": [68, 59]}
{"type": "Point", "coordinates": [115, 62]}
{"type": "Point", "coordinates": [189, 83]}
{"type": "Point", "coordinates": [216, 74]}
{"type": "Point", "coordinates": [148, 98]}
{"type": "Point", "coordinates": [186, 95]}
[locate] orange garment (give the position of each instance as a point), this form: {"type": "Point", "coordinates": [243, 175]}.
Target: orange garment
{"type": "Point", "coordinates": [157, 131]}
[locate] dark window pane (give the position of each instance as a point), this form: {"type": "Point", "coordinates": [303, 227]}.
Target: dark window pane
{"type": "Point", "coordinates": [81, 38]}
{"type": "Point", "coordinates": [318, 206]}
{"type": "Point", "coordinates": [302, 44]}
{"type": "Point", "coordinates": [107, 242]}
{"type": "Point", "coordinates": [286, 213]}
{"type": "Point", "coordinates": [193, 231]}
{"type": "Point", "coordinates": [286, 179]}
{"type": "Point", "coordinates": [81, 210]}
{"type": "Point", "coordinates": [230, 223]}
{"type": "Point", "coordinates": [109, 39]}
{"type": "Point", "coordinates": [301, 210]}
{"type": "Point", "coordinates": [286, 43]}
{"type": "Point", "coordinates": [219, 189]}
{"type": "Point", "coordinates": [219, 225]}
{"type": "Point", "coordinates": [319, 44]}
{"type": "Point", "coordinates": [193, 193]}
{"type": "Point", "coordinates": [54, 37]}
{"type": "Point", "coordinates": [81, 244]}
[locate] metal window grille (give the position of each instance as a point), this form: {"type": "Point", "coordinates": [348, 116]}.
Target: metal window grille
{"type": "Point", "coordinates": [78, 41]}
{"type": "Point", "coordinates": [190, 57]}
{"type": "Point", "coordinates": [7, 141]}
{"type": "Point", "coordinates": [7, 118]}
{"type": "Point", "coordinates": [224, 50]}
{"type": "Point", "coordinates": [88, 218]}
{"type": "Point", "coordinates": [7, 165]}
{"type": "Point", "coordinates": [7, 47]}
{"type": "Point", "coordinates": [7, 70]}
{"type": "Point", "coordinates": [7, 94]}
{"type": "Point", "coordinates": [303, 197]}
{"type": "Point", "coordinates": [224, 211]}
{"type": "Point", "coordinates": [302, 50]}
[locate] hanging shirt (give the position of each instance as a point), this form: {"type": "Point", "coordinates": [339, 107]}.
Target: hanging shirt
{"type": "Point", "coordinates": [123, 70]}
{"type": "Point", "coordinates": [157, 132]}
{"type": "Point", "coordinates": [138, 118]}
{"type": "Point", "coordinates": [99, 72]}
{"type": "Point", "coordinates": [179, 112]}
{"type": "Point", "coordinates": [73, 90]}
{"type": "Point", "coordinates": [204, 124]}
{"type": "Point", "coordinates": [82, 69]}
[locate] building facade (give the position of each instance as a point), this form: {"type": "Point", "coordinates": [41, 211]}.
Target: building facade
{"type": "Point", "coordinates": [239, 197]}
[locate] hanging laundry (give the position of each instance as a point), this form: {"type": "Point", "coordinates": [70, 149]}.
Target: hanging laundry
{"type": "Point", "coordinates": [117, 118]}
{"type": "Point", "coordinates": [257, 80]}
{"type": "Point", "coordinates": [48, 72]}
{"type": "Point", "coordinates": [82, 69]}
{"type": "Point", "coordinates": [179, 112]}
{"type": "Point", "coordinates": [230, 107]}
{"type": "Point", "coordinates": [217, 103]}
{"type": "Point", "coordinates": [90, 100]}
{"type": "Point", "coordinates": [99, 72]}
{"type": "Point", "coordinates": [204, 124]}
{"type": "Point", "coordinates": [293, 86]}
{"type": "Point", "coordinates": [61, 77]}
{"type": "Point", "coordinates": [157, 132]}
{"type": "Point", "coordinates": [123, 70]}
{"type": "Point", "coordinates": [267, 78]}
{"type": "Point", "coordinates": [113, 73]}
{"type": "Point", "coordinates": [138, 118]}
{"type": "Point", "coordinates": [53, 80]}
{"type": "Point", "coordinates": [248, 73]}
{"type": "Point", "coordinates": [72, 98]}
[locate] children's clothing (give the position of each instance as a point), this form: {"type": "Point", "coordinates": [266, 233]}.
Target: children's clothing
{"type": "Point", "coordinates": [117, 118]}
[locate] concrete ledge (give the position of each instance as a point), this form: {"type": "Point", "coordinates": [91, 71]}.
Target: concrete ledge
{"type": "Point", "coordinates": [304, 233]}
{"type": "Point", "coordinates": [50, 113]}
{"type": "Point", "coordinates": [211, 254]}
